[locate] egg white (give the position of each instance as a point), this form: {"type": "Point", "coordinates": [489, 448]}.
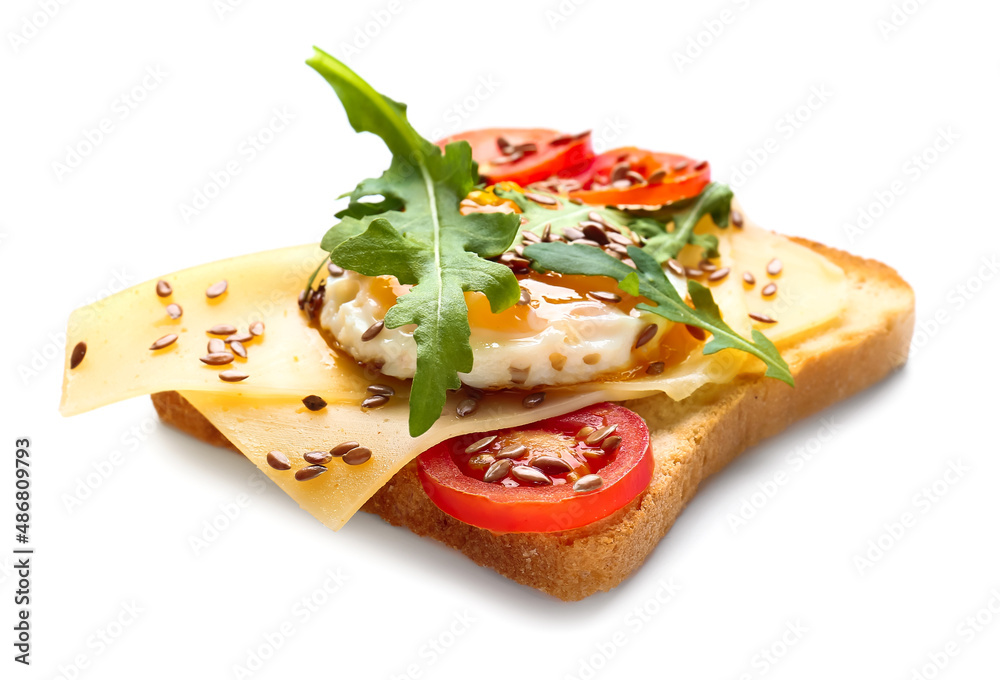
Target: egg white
{"type": "Point", "coordinates": [596, 339]}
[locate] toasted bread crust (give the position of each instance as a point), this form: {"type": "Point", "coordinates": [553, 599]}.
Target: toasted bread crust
{"type": "Point", "coordinates": [692, 439]}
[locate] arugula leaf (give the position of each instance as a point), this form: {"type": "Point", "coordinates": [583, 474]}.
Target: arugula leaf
{"type": "Point", "coordinates": [648, 280]}
{"type": "Point", "coordinates": [715, 200]}
{"type": "Point", "coordinates": [661, 243]}
{"type": "Point", "coordinates": [413, 230]}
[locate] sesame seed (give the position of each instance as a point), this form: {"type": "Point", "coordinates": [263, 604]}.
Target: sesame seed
{"type": "Point", "coordinates": [774, 267]}
{"type": "Point", "coordinates": [232, 376]}
{"type": "Point", "coordinates": [770, 289]}
{"type": "Point", "coordinates": [163, 288]}
{"type": "Point", "coordinates": [763, 318]}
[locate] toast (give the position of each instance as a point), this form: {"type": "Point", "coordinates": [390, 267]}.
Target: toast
{"type": "Point", "coordinates": [692, 439]}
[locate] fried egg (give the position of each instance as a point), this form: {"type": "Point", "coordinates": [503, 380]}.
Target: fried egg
{"type": "Point", "coordinates": [566, 330]}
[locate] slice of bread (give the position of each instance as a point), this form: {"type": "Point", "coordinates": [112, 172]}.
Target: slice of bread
{"type": "Point", "coordinates": [691, 439]}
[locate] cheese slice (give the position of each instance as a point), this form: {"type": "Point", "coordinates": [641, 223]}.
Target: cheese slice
{"type": "Point", "coordinates": [811, 290]}
{"type": "Point", "coordinates": [292, 360]}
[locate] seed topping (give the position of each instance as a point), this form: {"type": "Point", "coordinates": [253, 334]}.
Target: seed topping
{"type": "Point", "coordinates": [588, 483]}
{"type": "Point", "coordinates": [497, 471]}
{"type": "Point", "coordinates": [381, 390]}
{"type": "Point", "coordinates": [314, 402]}
{"type": "Point", "coordinates": [357, 456]}
{"type": "Point", "coordinates": [480, 444]}
{"type": "Point", "coordinates": [375, 401]}
{"type": "Point", "coordinates": [597, 436]}
{"type": "Point", "coordinates": [311, 472]}
{"type": "Point", "coordinates": [512, 451]}
{"type": "Point", "coordinates": [165, 341]}
{"type": "Point", "coordinates": [217, 289]}
{"type": "Point", "coordinates": [318, 457]}
{"type": "Point", "coordinates": [340, 449]}
{"type": "Point", "coordinates": [373, 330]}
{"type": "Point", "coordinates": [237, 348]}
{"type": "Point", "coordinates": [217, 358]}
{"type": "Point", "coordinates": [647, 334]}
{"type": "Point", "coordinates": [278, 460]}
{"type": "Point", "coordinates": [530, 475]}
{"type": "Point", "coordinates": [163, 288]}
{"type": "Point", "coordinates": [533, 399]}
{"type": "Point", "coordinates": [79, 351]}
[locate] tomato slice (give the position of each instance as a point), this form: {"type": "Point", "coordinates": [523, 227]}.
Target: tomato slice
{"type": "Point", "coordinates": [525, 155]}
{"type": "Point", "coordinates": [633, 176]}
{"type": "Point", "coordinates": [540, 472]}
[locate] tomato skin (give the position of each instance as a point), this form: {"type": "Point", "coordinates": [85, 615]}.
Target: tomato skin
{"type": "Point", "coordinates": [568, 154]}
{"type": "Point", "coordinates": [543, 509]}
{"type": "Point", "coordinates": [676, 185]}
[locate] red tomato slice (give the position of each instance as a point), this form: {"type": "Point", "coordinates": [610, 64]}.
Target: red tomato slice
{"type": "Point", "coordinates": [632, 176]}
{"type": "Point", "coordinates": [543, 498]}
{"type": "Point", "coordinates": [525, 155]}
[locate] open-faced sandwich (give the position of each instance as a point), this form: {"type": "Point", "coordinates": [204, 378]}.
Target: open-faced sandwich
{"type": "Point", "coordinates": [526, 350]}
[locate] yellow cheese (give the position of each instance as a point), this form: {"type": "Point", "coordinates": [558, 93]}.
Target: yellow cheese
{"type": "Point", "coordinates": [291, 360]}
{"type": "Point", "coordinates": [811, 290]}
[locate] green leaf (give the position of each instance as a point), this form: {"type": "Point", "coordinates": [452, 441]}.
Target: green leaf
{"type": "Point", "coordinates": [715, 200]}
{"type": "Point", "coordinates": [410, 227]}
{"type": "Point", "coordinates": [649, 281]}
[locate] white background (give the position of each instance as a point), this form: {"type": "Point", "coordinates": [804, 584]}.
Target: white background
{"type": "Point", "coordinates": [788, 583]}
